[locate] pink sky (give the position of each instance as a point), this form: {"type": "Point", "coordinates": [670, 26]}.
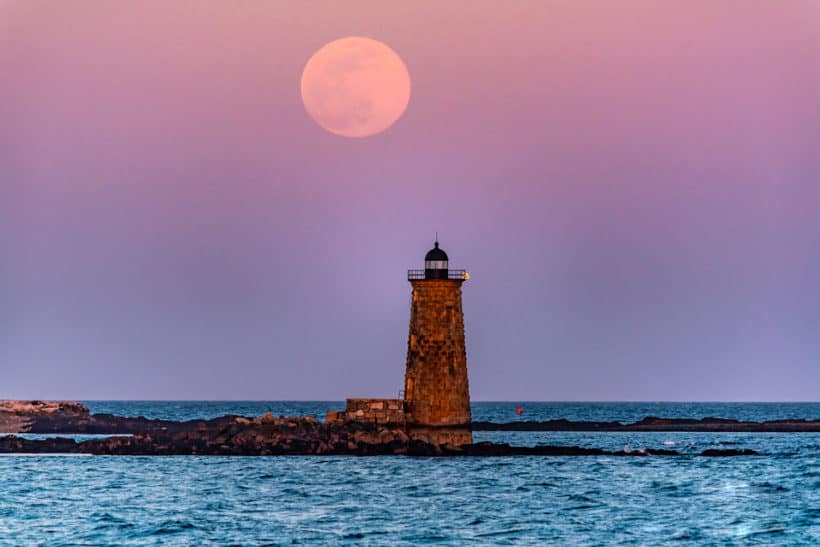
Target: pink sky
{"type": "Point", "coordinates": [633, 187]}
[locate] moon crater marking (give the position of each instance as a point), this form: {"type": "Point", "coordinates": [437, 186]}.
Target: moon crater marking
{"type": "Point", "coordinates": [355, 87]}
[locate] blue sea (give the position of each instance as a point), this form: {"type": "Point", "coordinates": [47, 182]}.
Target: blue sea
{"type": "Point", "coordinates": [770, 499]}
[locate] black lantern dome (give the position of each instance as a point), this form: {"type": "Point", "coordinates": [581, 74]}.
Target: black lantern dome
{"type": "Point", "coordinates": [435, 254]}
{"type": "Point", "coordinates": [435, 263]}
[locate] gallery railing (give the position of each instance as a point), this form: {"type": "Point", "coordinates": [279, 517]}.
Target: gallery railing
{"type": "Point", "coordinates": [451, 274]}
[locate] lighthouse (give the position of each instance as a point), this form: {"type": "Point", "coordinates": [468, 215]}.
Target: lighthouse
{"type": "Point", "coordinates": [436, 390]}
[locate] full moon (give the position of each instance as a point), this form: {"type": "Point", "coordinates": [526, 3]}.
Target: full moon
{"type": "Point", "coordinates": [355, 87]}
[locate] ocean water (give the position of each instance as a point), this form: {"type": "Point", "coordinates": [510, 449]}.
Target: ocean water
{"type": "Point", "coordinates": [770, 499]}
{"type": "Point", "coordinates": [483, 411]}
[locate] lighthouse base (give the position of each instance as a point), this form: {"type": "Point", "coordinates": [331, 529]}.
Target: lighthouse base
{"type": "Point", "coordinates": [441, 435]}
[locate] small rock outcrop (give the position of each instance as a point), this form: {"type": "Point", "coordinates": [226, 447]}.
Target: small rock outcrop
{"type": "Point", "coordinates": [716, 452]}
{"type": "Point", "coordinates": [18, 416]}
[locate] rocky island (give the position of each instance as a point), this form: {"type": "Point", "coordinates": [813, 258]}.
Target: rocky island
{"type": "Point", "coordinates": [379, 433]}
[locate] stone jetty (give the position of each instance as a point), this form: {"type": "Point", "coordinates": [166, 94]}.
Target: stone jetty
{"type": "Point", "coordinates": [340, 434]}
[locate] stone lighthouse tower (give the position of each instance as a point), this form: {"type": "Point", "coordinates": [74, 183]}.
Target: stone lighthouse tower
{"type": "Point", "coordinates": [436, 392]}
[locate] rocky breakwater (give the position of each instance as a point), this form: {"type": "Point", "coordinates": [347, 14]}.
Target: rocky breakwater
{"type": "Point", "coordinates": [20, 416]}
{"type": "Point", "coordinates": [269, 436]}
{"type": "Point", "coordinates": [234, 435]}
{"type": "Point", "coordinates": [264, 436]}
{"type": "Point", "coordinates": [340, 434]}
{"type": "Point", "coordinates": [301, 436]}
{"type": "Point", "coordinates": [55, 417]}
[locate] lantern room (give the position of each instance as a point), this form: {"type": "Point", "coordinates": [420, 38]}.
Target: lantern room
{"type": "Point", "coordinates": [436, 267]}
{"type": "Point", "coordinates": [435, 263]}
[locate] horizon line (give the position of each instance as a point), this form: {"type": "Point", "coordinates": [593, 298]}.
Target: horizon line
{"type": "Point", "coordinates": [208, 400]}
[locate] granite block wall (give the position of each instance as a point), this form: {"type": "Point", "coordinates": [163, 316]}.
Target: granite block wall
{"type": "Point", "coordinates": [437, 394]}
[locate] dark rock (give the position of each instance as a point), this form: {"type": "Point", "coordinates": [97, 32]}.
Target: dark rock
{"type": "Point", "coordinates": [267, 435]}
{"type": "Point", "coordinates": [715, 452]}
{"type": "Point", "coordinates": [255, 439]}
{"type": "Point", "coordinates": [18, 416]}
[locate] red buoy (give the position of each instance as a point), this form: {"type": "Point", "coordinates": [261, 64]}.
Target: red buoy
{"type": "Point", "coordinates": [518, 410]}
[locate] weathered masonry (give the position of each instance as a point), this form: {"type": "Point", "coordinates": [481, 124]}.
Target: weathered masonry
{"type": "Point", "coordinates": [436, 391]}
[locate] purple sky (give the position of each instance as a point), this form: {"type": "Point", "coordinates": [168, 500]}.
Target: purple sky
{"type": "Point", "coordinates": [633, 186]}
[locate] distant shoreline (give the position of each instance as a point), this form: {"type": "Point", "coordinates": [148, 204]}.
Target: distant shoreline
{"type": "Point", "coordinates": [651, 423]}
